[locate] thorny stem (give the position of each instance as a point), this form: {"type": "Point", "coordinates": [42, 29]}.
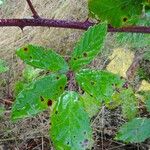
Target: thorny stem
{"type": "Point", "coordinates": [35, 14]}
{"type": "Point", "coordinates": [42, 22]}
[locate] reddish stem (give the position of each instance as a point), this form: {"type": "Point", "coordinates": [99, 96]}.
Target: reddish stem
{"type": "Point", "coordinates": [41, 22]}
{"type": "Point", "coordinates": [35, 14]}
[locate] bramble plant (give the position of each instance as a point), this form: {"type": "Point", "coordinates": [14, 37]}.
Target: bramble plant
{"type": "Point", "coordinates": [71, 111]}
{"type": "Point", "coordinates": [58, 90]}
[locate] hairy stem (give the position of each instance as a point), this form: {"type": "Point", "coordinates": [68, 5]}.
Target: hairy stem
{"type": "Point", "coordinates": [41, 22]}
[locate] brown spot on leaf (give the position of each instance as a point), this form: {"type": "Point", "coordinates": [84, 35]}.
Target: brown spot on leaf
{"type": "Point", "coordinates": [125, 19]}
{"type": "Point", "coordinates": [74, 58]}
{"type": "Point", "coordinates": [25, 49]}
{"type": "Point", "coordinates": [49, 103]}
{"type": "Point", "coordinates": [85, 54]}
{"type": "Point", "coordinates": [57, 77]}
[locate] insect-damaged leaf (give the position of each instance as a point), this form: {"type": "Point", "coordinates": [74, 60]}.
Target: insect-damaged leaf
{"type": "Point", "coordinates": [116, 12]}
{"type": "Point", "coordinates": [43, 58]}
{"type": "Point", "coordinates": [99, 84]}
{"type": "Point", "coordinates": [38, 95]}
{"type": "Point", "coordinates": [89, 46]}
{"type": "Point", "coordinates": [70, 124]}
{"type": "Point", "coordinates": [137, 130]}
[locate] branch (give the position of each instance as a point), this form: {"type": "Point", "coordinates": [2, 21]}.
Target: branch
{"type": "Point", "coordinates": [41, 22]}
{"type": "Point", "coordinates": [35, 14]}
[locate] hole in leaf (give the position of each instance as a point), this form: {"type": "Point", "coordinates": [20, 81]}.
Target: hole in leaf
{"type": "Point", "coordinates": [125, 85]}
{"type": "Point", "coordinates": [30, 57]}
{"type": "Point", "coordinates": [49, 103]}
{"type": "Point", "coordinates": [61, 87]}
{"type": "Point", "coordinates": [84, 132]}
{"type": "Point", "coordinates": [68, 143]}
{"type": "Point", "coordinates": [85, 54]}
{"type": "Point", "coordinates": [41, 98]}
{"type": "Point", "coordinates": [25, 49]}
{"type": "Point", "coordinates": [86, 141]}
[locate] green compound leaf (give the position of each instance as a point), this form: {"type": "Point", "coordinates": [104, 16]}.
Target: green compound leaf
{"type": "Point", "coordinates": [129, 104]}
{"type": "Point", "coordinates": [89, 46]}
{"type": "Point", "coordinates": [42, 58]}
{"type": "Point", "coordinates": [3, 67]}
{"type": "Point", "coordinates": [38, 95]}
{"type": "Point", "coordinates": [135, 131]}
{"type": "Point", "coordinates": [99, 84]}
{"type": "Point", "coordinates": [70, 124]}
{"type": "Point", "coordinates": [116, 12]}
{"type": "Point", "coordinates": [91, 105]}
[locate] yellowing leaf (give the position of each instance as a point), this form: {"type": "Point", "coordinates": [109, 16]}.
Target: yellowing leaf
{"type": "Point", "coordinates": [120, 61]}
{"type": "Point", "coordinates": [145, 86]}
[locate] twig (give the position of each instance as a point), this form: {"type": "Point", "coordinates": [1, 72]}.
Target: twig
{"type": "Point", "coordinates": [132, 70]}
{"type": "Point", "coordinates": [35, 14]}
{"type": "Point", "coordinates": [41, 22]}
{"type": "Point", "coordinates": [8, 101]}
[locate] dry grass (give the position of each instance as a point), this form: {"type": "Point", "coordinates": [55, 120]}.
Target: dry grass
{"type": "Point", "coordinates": [33, 133]}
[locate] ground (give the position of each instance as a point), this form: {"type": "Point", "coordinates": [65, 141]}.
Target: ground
{"type": "Point", "coordinates": [31, 134]}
